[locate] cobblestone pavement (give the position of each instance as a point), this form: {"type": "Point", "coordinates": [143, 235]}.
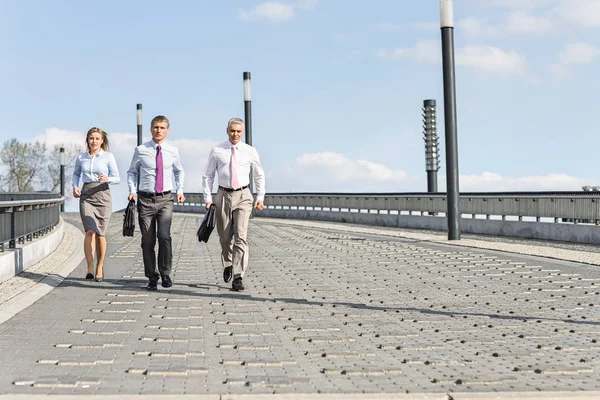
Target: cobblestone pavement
{"type": "Point", "coordinates": [327, 309]}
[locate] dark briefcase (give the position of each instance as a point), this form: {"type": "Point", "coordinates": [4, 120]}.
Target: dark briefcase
{"type": "Point", "coordinates": [208, 224]}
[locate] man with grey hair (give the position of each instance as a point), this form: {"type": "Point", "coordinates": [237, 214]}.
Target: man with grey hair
{"type": "Point", "coordinates": [233, 161]}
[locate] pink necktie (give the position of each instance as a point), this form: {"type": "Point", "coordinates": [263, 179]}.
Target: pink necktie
{"type": "Point", "coordinates": [234, 174]}
{"type": "Point", "coordinates": [158, 188]}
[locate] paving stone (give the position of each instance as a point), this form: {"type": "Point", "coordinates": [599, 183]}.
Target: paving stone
{"type": "Point", "coordinates": [326, 311]}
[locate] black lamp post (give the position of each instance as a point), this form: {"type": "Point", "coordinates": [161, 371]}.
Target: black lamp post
{"type": "Point", "coordinates": [432, 144]}
{"type": "Point", "coordinates": [139, 124]}
{"type": "Point", "coordinates": [447, 27]}
{"type": "Point", "coordinates": [62, 178]}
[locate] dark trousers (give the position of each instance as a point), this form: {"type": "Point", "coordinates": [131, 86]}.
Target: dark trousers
{"type": "Point", "coordinates": [155, 215]}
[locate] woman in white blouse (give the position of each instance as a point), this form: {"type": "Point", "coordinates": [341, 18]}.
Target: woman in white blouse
{"type": "Point", "coordinates": [96, 168]}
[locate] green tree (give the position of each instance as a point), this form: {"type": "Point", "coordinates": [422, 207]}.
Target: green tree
{"type": "Point", "coordinates": [32, 166]}
{"type": "Point", "coordinates": [24, 162]}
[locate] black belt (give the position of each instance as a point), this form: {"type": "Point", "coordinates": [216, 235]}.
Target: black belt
{"type": "Point", "coordinates": [150, 194]}
{"type": "Point", "coordinates": [232, 190]}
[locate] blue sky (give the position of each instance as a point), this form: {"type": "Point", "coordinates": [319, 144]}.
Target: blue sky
{"type": "Point", "coordinates": [337, 86]}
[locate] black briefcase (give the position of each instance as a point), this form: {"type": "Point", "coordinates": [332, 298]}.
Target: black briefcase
{"type": "Point", "coordinates": [208, 224]}
{"type": "Point", "coordinates": [129, 219]}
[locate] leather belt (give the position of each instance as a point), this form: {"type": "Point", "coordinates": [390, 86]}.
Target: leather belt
{"type": "Point", "coordinates": [232, 190]}
{"type": "Point", "coordinates": [150, 194]}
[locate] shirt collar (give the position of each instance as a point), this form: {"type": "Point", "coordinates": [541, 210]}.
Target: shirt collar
{"type": "Point", "coordinates": [98, 153]}
{"type": "Point", "coordinates": [155, 145]}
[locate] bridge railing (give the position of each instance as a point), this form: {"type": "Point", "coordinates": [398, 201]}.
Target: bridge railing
{"type": "Point", "coordinates": [561, 216]}
{"type": "Point", "coordinates": [557, 206]}
{"type": "Point", "coordinates": [25, 216]}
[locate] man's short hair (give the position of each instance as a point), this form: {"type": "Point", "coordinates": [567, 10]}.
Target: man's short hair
{"type": "Point", "coordinates": [160, 118]}
{"type": "Point", "coordinates": [234, 121]}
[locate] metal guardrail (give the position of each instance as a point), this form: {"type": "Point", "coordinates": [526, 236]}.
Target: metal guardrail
{"type": "Point", "coordinates": [559, 206]}
{"type": "Point", "coordinates": [25, 216]}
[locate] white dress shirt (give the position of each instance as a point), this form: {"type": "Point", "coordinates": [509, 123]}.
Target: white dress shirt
{"type": "Point", "coordinates": [219, 163]}
{"type": "Point", "coordinates": [87, 168]}
{"type": "Point", "coordinates": [143, 164]}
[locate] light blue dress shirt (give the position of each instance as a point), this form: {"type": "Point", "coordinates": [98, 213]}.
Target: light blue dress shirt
{"type": "Point", "coordinates": [87, 168]}
{"type": "Point", "coordinates": [143, 164]}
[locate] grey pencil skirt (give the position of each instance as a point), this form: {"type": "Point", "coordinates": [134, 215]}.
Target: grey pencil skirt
{"type": "Point", "coordinates": [95, 207]}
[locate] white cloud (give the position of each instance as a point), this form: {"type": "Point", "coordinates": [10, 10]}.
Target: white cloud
{"type": "Point", "coordinates": [514, 4]}
{"type": "Point", "coordinates": [425, 50]}
{"type": "Point", "coordinates": [580, 12]}
{"type": "Point", "coordinates": [276, 11]}
{"type": "Point", "coordinates": [494, 182]}
{"type": "Point", "coordinates": [330, 171]}
{"type": "Point", "coordinates": [271, 11]}
{"type": "Point", "coordinates": [477, 28]}
{"type": "Point", "coordinates": [490, 58]}
{"type": "Point", "coordinates": [574, 54]}
{"type": "Point", "coordinates": [578, 53]}
{"type": "Point", "coordinates": [517, 22]}
{"type": "Point", "coordinates": [522, 22]}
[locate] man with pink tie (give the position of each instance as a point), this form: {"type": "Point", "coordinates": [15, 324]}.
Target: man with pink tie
{"type": "Point", "coordinates": [154, 165]}
{"type": "Point", "coordinates": [232, 161]}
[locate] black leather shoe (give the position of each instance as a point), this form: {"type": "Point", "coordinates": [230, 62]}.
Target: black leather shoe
{"type": "Point", "coordinates": [166, 281]}
{"type": "Point", "coordinates": [227, 273]}
{"type": "Point", "coordinates": [237, 284]}
{"type": "Point", "coordinates": [151, 286]}
{"type": "Point", "coordinates": [89, 276]}
{"type": "Point", "coordinates": [99, 278]}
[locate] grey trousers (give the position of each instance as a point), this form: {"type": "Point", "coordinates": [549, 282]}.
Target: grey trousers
{"type": "Point", "coordinates": [233, 214]}
{"type": "Point", "coordinates": [155, 215]}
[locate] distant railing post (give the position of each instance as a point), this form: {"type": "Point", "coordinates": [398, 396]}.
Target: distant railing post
{"type": "Point", "coordinates": [12, 242]}
{"type": "Point", "coordinates": [62, 178]}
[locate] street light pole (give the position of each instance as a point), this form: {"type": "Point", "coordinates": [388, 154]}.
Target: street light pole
{"type": "Point", "coordinates": [248, 115]}
{"type": "Point", "coordinates": [139, 124]}
{"type": "Point", "coordinates": [432, 144]}
{"type": "Point", "coordinates": [247, 108]}
{"type": "Point", "coordinates": [62, 178]}
{"type": "Point", "coordinates": [248, 123]}
{"type": "Point", "coordinates": [452, 191]}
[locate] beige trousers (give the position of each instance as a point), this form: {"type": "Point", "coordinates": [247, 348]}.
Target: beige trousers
{"type": "Point", "coordinates": [233, 214]}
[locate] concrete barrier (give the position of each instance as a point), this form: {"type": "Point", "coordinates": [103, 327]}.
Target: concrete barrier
{"type": "Point", "coordinates": [14, 261]}
{"type": "Point", "coordinates": [578, 233]}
